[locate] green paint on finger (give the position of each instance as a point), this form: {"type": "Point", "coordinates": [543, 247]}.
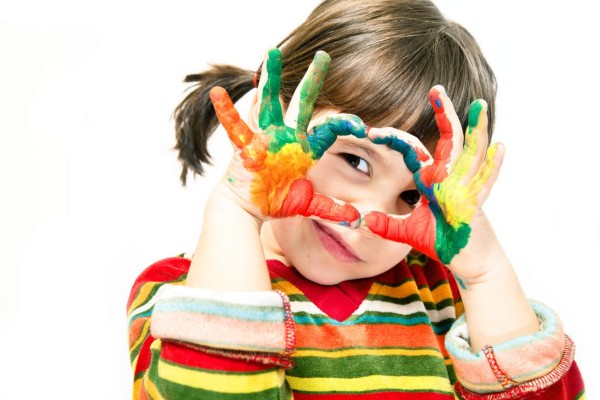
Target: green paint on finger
{"type": "Point", "coordinates": [324, 135]}
{"type": "Point", "coordinates": [474, 114]}
{"type": "Point", "coordinates": [310, 89]}
{"type": "Point", "coordinates": [270, 108]}
{"type": "Point", "coordinates": [280, 136]}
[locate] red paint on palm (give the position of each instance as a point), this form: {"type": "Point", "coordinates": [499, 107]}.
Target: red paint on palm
{"type": "Point", "coordinates": [419, 229]}
{"type": "Point", "coordinates": [303, 200]}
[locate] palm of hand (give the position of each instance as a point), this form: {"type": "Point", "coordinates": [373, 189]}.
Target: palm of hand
{"type": "Point", "coordinates": [453, 184]}
{"type": "Point", "coordinates": [268, 171]}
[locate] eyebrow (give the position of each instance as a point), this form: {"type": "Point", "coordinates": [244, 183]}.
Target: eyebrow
{"type": "Point", "coordinates": [373, 155]}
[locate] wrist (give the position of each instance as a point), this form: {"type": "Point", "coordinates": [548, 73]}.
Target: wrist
{"type": "Point", "coordinates": [222, 205]}
{"type": "Point", "coordinates": [229, 255]}
{"type": "Point", "coordinates": [496, 307]}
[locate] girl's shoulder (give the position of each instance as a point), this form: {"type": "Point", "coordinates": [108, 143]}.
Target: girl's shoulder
{"type": "Point", "coordinates": [167, 270]}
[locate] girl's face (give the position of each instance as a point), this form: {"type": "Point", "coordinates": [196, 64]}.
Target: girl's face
{"type": "Point", "coordinates": [370, 177]}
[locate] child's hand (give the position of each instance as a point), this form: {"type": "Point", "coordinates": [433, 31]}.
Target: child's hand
{"type": "Point", "coordinates": [453, 185]}
{"type": "Point", "coordinates": [267, 175]}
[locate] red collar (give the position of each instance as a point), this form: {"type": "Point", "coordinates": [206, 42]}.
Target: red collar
{"type": "Point", "coordinates": [337, 301]}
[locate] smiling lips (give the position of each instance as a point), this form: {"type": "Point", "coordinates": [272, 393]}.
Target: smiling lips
{"type": "Point", "coordinates": [334, 244]}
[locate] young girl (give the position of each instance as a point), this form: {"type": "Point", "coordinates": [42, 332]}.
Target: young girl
{"type": "Point", "coordinates": [339, 258]}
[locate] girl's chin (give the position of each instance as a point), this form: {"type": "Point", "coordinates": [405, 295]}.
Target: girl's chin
{"type": "Point", "coordinates": [326, 271]}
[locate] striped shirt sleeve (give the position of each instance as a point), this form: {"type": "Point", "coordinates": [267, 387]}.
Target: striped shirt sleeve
{"type": "Point", "coordinates": [192, 343]}
{"type": "Point", "coordinates": [541, 363]}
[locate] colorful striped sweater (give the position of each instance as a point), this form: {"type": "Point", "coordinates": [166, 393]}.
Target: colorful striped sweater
{"type": "Point", "coordinates": [399, 335]}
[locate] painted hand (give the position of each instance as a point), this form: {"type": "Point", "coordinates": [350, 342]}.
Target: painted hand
{"type": "Point", "coordinates": [267, 174]}
{"type": "Point", "coordinates": [453, 184]}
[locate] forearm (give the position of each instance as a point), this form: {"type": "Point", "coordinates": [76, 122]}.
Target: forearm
{"type": "Point", "coordinates": [229, 254]}
{"type": "Point", "coordinates": [496, 307]}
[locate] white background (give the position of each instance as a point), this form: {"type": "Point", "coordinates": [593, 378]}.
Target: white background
{"type": "Point", "coordinates": [89, 183]}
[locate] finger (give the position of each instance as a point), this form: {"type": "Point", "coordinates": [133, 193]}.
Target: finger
{"type": "Point", "coordinates": [301, 107]}
{"type": "Point", "coordinates": [323, 135]}
{"type": "Point", "coordinates": [416, 229]}
{"type": "Point", "coordinates": [482, 183]}
{"type": "Point", "coordinates": [476, 140]}
{"type": "Point", "coordinates": [239, 133]}
{"type": "Point", "coordinates": [414, 152]}
{"type": "Point", "coordinates": [268, 88]}
{"type": "Point", "coordinates": [451, 139]}
{"type": "Point", "coordinates": [303, 200]}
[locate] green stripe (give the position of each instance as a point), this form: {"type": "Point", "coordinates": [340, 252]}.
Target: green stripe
{"type": "Point", "coordinates": [367, 318]}
{"type": "Point", "coordinates": [411, 299]}
{"type": "Point", "coordinates": [436, 285]}
{"type": "Point", "coordinates": [397, 284]}
{"type": "Point", "coordinates": [135, 351]}
{"type": "Point", "coordinates": [365, 365]}
{"type": "Point", "coordinates": [171, 390]}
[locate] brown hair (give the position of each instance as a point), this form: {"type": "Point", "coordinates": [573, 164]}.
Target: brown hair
{"type": "Point", "coordinates": [385, 56]}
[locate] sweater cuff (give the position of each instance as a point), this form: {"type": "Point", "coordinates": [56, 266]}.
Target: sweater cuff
{"type": "Point", "coordinates": [255, 326]}
{"type": "Point", "coordinates": [521, 365]}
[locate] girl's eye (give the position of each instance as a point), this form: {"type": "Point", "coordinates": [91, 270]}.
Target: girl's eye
{"type": "Point", "coordinates": [411, 197]}
{"type": "Point", "coordinates": [356, 162]}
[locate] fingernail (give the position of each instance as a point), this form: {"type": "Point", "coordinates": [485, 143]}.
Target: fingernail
{"type": "Point", "coordinates": [435, 100]}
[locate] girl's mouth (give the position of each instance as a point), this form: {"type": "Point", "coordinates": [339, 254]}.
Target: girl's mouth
{"type": "Point", "coordinates": [334, 244]}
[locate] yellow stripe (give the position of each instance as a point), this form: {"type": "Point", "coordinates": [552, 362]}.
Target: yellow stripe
{"type": "Point", "coordinates": [370, 352]}
{"type": "Point", "coordinates": [426, 296]}
{"type": "Point", "coordinates": [372, 382]}
{"type": "Point", "coordinates": [400, 292]}
{"type": "Point", "coordinates": [441, 293]}
{"type": "Point", "coordinates": [134, 362]}
{"type": "Point", "coordinates": [409, 288]}
{"type": "Point", "coordinates": [142, 295]}
{"type": "Point", "coordinates": [286, 288]}
{"type": "Point", "coordinates": [137, 385]}
{"type": "Point", "coordinates": [221, 383]}
{"type": "Point", "coordinates": [460, 309]}
{"type": "Point", "coordinates": [151, 389]}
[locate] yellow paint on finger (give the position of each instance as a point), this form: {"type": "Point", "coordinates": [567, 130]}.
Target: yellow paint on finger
{"type": "Point", "coordinates": [485, 173]}
{"type": "Point", "coordinates": [460, 201]}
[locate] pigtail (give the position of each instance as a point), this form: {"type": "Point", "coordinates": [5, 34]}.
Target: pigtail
{"type": "Point", "coordinates": [195, 118]}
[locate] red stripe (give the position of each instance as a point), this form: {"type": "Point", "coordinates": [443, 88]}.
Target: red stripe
{"type": "Point", "coordinates": [374, 396]}
{"type": "Point", "coordinates": [144, 356]}
{"type": "Point", "coordinates": [190, 357]}
{"type": "Point", "coordinates": [169, 269]}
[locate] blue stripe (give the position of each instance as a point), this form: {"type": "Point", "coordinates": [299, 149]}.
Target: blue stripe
{"type": "Point", "coordinates": [243, 312]}
{"type": "Point", "coordinates": [367, 319]}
